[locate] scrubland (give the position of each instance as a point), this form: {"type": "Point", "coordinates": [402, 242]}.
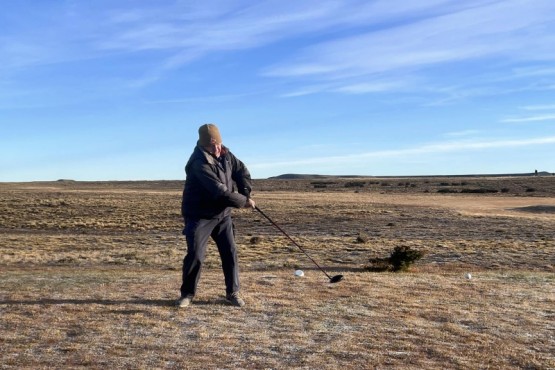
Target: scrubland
{"type": "Point", "coordinates": [89, 273]}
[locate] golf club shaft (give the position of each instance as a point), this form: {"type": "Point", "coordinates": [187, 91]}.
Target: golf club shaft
{"type": "Point", "coordinates": [293, 241]}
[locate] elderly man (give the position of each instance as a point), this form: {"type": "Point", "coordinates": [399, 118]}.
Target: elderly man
{"type": "Point", "coordinates": [208, 197]}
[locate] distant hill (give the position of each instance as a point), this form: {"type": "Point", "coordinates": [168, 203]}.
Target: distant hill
{"type": "Point", "coordinates": [297, 176]}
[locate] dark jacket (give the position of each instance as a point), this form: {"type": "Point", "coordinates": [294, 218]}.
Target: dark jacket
{"type": "Point", "coordinates": [208, 191]}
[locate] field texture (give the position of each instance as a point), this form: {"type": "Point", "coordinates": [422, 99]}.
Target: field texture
{"type": "Point", "coordinates": [89, 273]}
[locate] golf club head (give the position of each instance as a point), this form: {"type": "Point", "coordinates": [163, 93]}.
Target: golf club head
{"type": "Point", "coordinates": [336, 279]}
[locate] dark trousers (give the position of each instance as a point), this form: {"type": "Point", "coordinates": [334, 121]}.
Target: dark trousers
{"type": "Point", "coordinates": [197, 233]}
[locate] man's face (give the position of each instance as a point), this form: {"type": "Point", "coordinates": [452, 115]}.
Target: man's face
{"type": "Point", "coordinates": [214, 149]}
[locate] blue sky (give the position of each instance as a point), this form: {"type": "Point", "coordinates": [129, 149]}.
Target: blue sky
{"type": "Point", "coordinates": [116, 90]}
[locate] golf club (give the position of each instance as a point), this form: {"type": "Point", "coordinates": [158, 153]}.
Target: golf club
{"type": "Point", "coordinates": [333, 279]}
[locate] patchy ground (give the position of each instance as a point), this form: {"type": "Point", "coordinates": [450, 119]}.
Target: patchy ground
{"type": "Point", "coordinates": [89, 272]}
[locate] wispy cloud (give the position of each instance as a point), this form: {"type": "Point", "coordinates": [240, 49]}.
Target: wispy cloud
{"type": "Point", "coordinates": [541, 118]}
{"type": "Point", "coordinates": [513, 30]}
{"type": "Point", "coordinates": [497, 28]}
{"type": "Point", "coordinates": [384, 37]}
{"type": "Point", "coordinates": [410, 153]}
{"type": "Point", "coordinates": [187, 31]}
{"type": "Point", "coordinates": [539, 107]}
{"type": "Point", "coordinates": [370, 87]}
{"type": "Point", "coordinates": [462, 133]}
{"type": "Point", "coordinates": [352, 87]}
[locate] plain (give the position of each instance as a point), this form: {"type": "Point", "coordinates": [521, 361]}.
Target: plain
{"type": "Point", "coordinates": [90, 271]}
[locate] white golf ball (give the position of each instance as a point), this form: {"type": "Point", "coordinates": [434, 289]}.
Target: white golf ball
{"type": "Point", "coordinates": [299, 273]}
{"type": "Point", "coordinates": [468, 275]}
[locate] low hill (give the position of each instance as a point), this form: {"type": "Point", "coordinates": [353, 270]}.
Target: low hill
{"type": "Point", "coordinates": [296, 176]}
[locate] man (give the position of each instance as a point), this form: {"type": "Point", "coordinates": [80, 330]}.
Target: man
{"type": "Point", "coordinates": [208, 197]}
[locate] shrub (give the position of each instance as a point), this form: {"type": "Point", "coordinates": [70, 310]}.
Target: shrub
{"type": "Point", "coordinates": [400, 260]}
{"type": "Point", "coordinates": [354, 184]}
{"type": "Point", "coordinates": [480, 191]}
{"type": "Point", "coordinates": [321, 184]}
{"type": "Point", "coordinates": [444, 190]}
{"type": "Point", "coordinates": [362, 238]}
{"type": "Point", "coordinates": [402, 257]}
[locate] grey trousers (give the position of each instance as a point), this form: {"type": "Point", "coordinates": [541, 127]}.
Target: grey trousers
{"type": "Point", "coordinates": [197, 232]}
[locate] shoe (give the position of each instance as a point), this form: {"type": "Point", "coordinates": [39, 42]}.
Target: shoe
{"type": "Point", "coordinates": [235, 299]}
{"type": "Point", "coordinates": [184, 301]}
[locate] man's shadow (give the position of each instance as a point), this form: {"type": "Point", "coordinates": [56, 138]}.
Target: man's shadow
{"type": "Point", "coordinates": [107, 302]}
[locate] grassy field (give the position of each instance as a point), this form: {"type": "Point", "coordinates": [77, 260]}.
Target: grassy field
{"type": "Point", "coordinates": [89, 273]}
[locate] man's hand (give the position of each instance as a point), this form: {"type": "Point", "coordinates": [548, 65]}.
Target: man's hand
{"type": "Point", "coordinates": [250, 203]}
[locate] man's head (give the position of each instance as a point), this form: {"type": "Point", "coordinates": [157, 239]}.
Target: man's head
{"type": "Point", "coordinates": [210, 139]}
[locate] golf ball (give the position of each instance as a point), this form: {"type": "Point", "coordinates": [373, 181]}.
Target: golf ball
{"type": "Point", "coordinates": [468, 275]}
{"type": "Point", "coordinates": [299, 273]}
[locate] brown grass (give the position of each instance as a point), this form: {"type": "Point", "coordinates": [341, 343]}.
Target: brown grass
{"type": "Point", "coordinates": [89, 273]}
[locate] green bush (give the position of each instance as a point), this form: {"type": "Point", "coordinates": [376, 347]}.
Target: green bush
{"type": "Point", "coordinates": [400, 260]}
{"type": "Point", "coordinates": [403, 257]}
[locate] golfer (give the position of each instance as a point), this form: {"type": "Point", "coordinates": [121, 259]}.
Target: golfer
{"type": "Point", "coordinates": [212, 171]}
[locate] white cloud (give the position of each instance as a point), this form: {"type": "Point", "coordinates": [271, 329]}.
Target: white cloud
{"type": "Point", "coordinates": [354, 88]}
{"type": "Point", "coordinates": [511, 28]}
{"type": "Point", "coordinates": [539, 107]}
{"type": "Point", "coordinates": [189, 30]}
{"type": "Point", "coordinates": [411, 153]}
{"type": "Point", "coordinates": [406, 35]}
{"type": "Point", "coordinates": [547, 117]}
{"type": "Point", "coordinates": [370, 87]}
{"type": "Point", "coordinates": [462, 133]}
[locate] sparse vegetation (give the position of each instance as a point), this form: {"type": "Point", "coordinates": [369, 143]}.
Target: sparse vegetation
{"type": "Point", "coordinates": [355, 184]}
{"type": "Point", "coordinates": [446, 191]}
{"type": "Point", "coordinates": [480, 191]}
{"type": "Point", "coordinates": [89, 273]}
{"type": "Point", "coordinates": [403, 257]}
{"type": "Point", "coordinates": [400, 259]}
{"type": "Point", "coordinates": [321, 184]}
{"type": "Point", "coordinates": [362, 238]}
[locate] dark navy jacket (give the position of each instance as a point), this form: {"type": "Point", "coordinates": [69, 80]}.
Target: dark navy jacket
{"type": "Point", "coordinates": [209, 186]}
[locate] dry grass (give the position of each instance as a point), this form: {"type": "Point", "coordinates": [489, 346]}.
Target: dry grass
{"type": "Point", "coordinates": [89, 273]}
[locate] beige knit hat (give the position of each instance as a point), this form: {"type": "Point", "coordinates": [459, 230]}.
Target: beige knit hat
{"type": "Point", "coordinates": [209, 134]}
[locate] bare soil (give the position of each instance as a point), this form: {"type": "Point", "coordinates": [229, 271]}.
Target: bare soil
{"type": "Point", "coordinates": [89, 272]}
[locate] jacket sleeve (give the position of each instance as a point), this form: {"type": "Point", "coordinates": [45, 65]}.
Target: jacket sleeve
{"type": "Point", "coordinates": [241, 176]}
{"type": "Point", "coordinates": [217, 190]}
